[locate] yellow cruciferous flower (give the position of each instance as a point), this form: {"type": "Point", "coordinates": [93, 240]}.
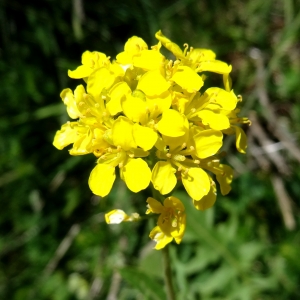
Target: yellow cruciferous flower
{"type": "Point", "coordinates": [171, 222]}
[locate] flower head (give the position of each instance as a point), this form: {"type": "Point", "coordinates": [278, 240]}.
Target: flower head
{"type": "Point", "coordinates": [156, 121]}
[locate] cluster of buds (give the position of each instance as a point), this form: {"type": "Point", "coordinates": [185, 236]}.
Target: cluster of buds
{"type": "Point", "coordinates": [152, 118]}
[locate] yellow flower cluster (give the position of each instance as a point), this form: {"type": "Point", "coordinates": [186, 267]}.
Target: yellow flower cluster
{"type": "Point", "coordinates": [152, 118]}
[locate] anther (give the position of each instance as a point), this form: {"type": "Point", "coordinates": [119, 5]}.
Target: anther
{"type": "Point", "coordinates": [109, 150]}
{"type": "Point", "coordinates": [192, 148]}
{"type": "Point", "coordinates": [81, 103]}
{"type": "Point", "coordinates": [186, 171]}
{"type": "Point", "coordinates": [193, 110]}
{"type": "Point", "coordinates": [121, 165]}
{"type": "Point", "coordinates": [131, 155]}
{"type": "Point", "coordinates": [119, 148]}
{"type": "Point", "coordinates": [169, 155]}
{"type": "Point", "coordinates": [197, 161]}
{"type": "Point", "coordinates": [183, 145]}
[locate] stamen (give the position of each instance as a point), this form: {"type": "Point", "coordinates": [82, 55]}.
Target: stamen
{"type": "Point", "coordinates": [186, 47]}
{"type": "Point", "coordinates": [121, 165]}
{"type": "Point", "coordinates": [131, 155]}
{"type": "Point", "coordinates": [179, 157]}
{"type": "Point", "coordinates": [192, 148]}
{"type": "Point", "coordinates": [186, 171]}
{"type": "Point", "coordinates": [169, 155]}
{"type": "Point", "coordinates": [197, 161]}
{"type": "Point", "coordinates": [119, 148]}
{"type": "Point", "coordinates": [174, 222]}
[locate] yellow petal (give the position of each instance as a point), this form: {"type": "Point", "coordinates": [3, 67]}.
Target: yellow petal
{"type": "Point", "coordinates": [134, 45]}
{"type": "Point", "coordinates": [83, 143]}
{"type": "Point", "coordinates": [214, 120]}
{"type": "Point", "coordinates": [174, 48]}
{"type": "Point", "coordinates": [122, 134]}
{"type": "Point", "coordinates": [134, 108]}
{"type": "Point", "coordinates": [178, 235]}
{"type": "Point", "coordinates": [226, 100]}
{"type": "Point", "coordinates": [69, 100]}
{"type": "Point", "coordinates": [188, 79]}
{"type": "Point", "coordinates": [153, 83]}
{"type": "Point", "coordinates": [148, 60]}
{"type": "Point", "coordinates": [241, 139]}
{"type": "Point", "coordinates": [98, 80]}
{"type": "Point", "coordinates": [101, 179]}
{"type": "Point", "coordinates": [124, 58]}
{"type": "Point", "coordinates": [225, 179]}
{"type": "Point", "coordinates": [208, 142]}
{"type": "Point", "coordinates": [208, 200]}
{"type": "Point", "coordinates": [196, 183]}
{"type": "Point", "coordinates": [66, 135]}
{"type": "Point", "coordinates": [160, 238]}
{"type": "Point", "coordinates": [154, 206]}
{"type": "Point", "coordinates": [163, 177]}
{"type": "Point", "coordinates": [175, 203]}
{"type": "Point", "coordinates": [117, 92]}
{"type": "Point", "coordinates": [215, 66]}
{"type": "Point", "coordinates": [136, 174]}
{"type": "Point", "coordinates": [172, 123]}
{"type": "Point", "coordinates": [116, 69]}
{"type": "Point", "coordinates": [93, 59]}
{"type": "Point", "coordinates": [144, 137]}
{"type": "Point", "coordinates": [80, 72]}
{"type": "Point", "coordinates": [158, 104]}
{"type": "Point", "coordinates": [197, 55]}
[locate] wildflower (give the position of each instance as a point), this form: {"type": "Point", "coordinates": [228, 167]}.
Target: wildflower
{"type": "Point", "coordinates": [155, 120]}
{"type": "Point", "coordinates": [171, 222]}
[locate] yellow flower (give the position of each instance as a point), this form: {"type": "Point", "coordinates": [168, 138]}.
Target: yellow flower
{"type": "Point", "coordinates": [179, 157]}
{"type": "Point", "coordinates": [134, 171]}
{"type": "Point", "coordinates": [77, 134]}
{"type": "Point", "coordinates": [90, 61]}
{"type": "Point", "coordinates": [171, 222]}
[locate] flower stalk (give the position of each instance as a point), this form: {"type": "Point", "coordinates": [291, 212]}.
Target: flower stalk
{"type": "Point", "coordinates": [168, 274]}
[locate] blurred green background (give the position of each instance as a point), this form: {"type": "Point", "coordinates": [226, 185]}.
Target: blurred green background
{"type": "Point", "coordinates": [54, 243]}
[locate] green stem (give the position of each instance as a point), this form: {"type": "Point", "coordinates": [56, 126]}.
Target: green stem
{"type": "Point", "coordinates": [168, 273]}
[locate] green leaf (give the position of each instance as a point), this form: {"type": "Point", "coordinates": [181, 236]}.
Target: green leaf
{"type": "Point", "coordinates": [150, 288]}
